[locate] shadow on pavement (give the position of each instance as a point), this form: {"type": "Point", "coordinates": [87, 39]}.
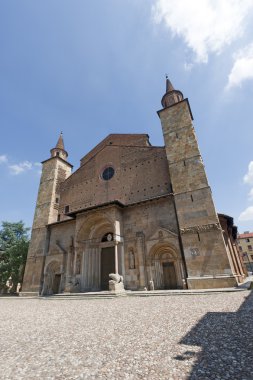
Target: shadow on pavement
{"type": "Point", "coordinates": [226, 341]}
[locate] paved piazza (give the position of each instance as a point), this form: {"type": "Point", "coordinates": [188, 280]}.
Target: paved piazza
{"type": "Point", "coordinates": [205, 336]}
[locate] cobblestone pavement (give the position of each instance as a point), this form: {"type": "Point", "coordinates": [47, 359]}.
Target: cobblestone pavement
{"type": "Point", "coordinates": [174, 337]}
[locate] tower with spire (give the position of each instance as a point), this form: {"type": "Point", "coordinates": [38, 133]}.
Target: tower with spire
{"type": "Point", "coordinates": [59, 150]}
{"type": "Point", "coordinates": [207, 264]}
{"type": "Point", "coordinates": [54, 171]}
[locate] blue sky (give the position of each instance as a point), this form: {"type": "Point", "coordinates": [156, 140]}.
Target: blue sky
{"type": "Point", "coordinates": [94, 67]}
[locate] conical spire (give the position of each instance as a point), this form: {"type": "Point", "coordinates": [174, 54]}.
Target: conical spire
{"type": "Point", "coordinates": [171, 96]}
{"type": "Point", "coordinates": [59, 150]}
{"type": "Point", "coordinates": [60, 142]}
{"type": "Point", "coordinates": [169, 86]}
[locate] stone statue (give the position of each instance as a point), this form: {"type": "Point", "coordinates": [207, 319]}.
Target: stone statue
{"type": "Point", "coordinates": [9, 284]}
{"type": "Point", "coordinates": [115, 277]}
{"type": "Point", "coordinates": [18, 287]}
{"type": "Point", "coordinates": [131, 259]}
{"type": "Point", "coordinates": [116, 283]}
{"type": "Point", "coordinates": [151, 285]}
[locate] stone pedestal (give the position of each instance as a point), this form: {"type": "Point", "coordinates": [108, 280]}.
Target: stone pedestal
{"type": "Point", "coordinates": [116, 284]}
{"type": "Point", "coordinates": [116, 287]}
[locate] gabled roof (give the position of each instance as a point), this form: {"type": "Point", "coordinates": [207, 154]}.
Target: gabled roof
{"type": "Point", "coordinates": [118, 139]}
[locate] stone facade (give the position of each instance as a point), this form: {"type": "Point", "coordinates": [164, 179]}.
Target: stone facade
{"type": "Point", "coordinates": [133, 209]}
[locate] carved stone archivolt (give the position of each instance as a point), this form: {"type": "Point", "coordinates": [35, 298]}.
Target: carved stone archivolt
{"type": "Point", "coordinates": [203, 228]}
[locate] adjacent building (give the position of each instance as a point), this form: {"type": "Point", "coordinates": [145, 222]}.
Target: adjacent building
{"type": "Point", "coordinates": [145, 212]}
{"type": "Point", "coordinates": [245, 244]}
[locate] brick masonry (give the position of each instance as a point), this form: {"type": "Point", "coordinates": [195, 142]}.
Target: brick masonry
{"type": "Point", "coordinates": [155, 215]}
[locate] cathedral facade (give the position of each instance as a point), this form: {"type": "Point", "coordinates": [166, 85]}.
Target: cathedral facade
{"type": "Point", "coordinates": [141, 211]}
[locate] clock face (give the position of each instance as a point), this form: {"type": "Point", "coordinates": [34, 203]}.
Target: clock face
{"type": "Point", "coordinates": [109, 237]}
{"type": "Point", "coordinates": [108, 173]}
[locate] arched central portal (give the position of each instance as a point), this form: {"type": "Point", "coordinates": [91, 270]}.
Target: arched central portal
{"type": "Point", "coordinates": [107, 260]}
{"type": "Point", "coordinates": [165, 267]}
{"type": "Point", "coordinates": [107, 266]}
{"type": "Point", "coordinates": [52, 279]}
{"type": "Point", "coordinates": [100, 252]}
{"type": "Point", "coordinates": [169, 275]}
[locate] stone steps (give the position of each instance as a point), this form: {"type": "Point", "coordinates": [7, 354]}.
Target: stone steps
{"type": "Point", "coordinates": [155, 293]}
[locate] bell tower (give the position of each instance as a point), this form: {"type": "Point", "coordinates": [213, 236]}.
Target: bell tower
{"type": "Point", "coordinates": [207, 262]}
{"type": "Point", "coordinates": [54, 171]}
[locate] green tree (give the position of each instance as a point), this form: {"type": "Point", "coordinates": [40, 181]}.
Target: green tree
{"type": "Point", "coordinates": [14, 242]}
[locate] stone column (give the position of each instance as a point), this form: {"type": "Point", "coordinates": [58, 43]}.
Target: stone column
{"type": "Point", "coordinates": [99, 267]}
{"type": "Point", "coordinates": [121, 260]}
{"type": "Point", "coordinates": [88, 267]}
{"type": "Point", "coordinates": [75, 256]}
{"type": "Point", "coordinates": [85, 269]}
{"type": "Point", "coordinates": [97, 273]}
{"type": "Point", "coordinates": [94, 268]}
{"type": "Point", "coordinates": [141, 258]}
{"type": "Point", "coordinates": [69, 256]}
{"type": "Point", "coordinates": [69, 269]}
{"type": "Point", "coordinates": [116, 259]}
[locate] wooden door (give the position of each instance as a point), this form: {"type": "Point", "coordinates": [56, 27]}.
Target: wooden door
{"type": "Point", "coordinates": [56, 283]}
{"type": "Point", "coordinates": [107, 266]}
{"type": "Point", "coordinates": [169, 276]}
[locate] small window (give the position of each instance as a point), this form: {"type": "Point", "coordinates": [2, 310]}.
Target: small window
{"type": "Point", "coordinates": [250, 247]}
{"type": "Point", "coordinates": [56, 200]}
{"type": "Point", "coordinates": [247, 240]}
{"type": "Point", "coordinates": [251, 257]}
{"type": "Point", "coordinates": [57, 153]}
{"type": "Point", "coordinates": [240, 248]}
{"type": "Point", "coordinates": [58, 218]}
{"type": "Point", "coordinates": [66, 209]}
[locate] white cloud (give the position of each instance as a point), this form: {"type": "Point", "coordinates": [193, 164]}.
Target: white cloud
{"type": "Point", "coordinates": [20, 168]}
{"type": "Point", "coordinates": [248, 178]}
{"type": "Point", "coordinates": [188, 66]}
{"type": "Point", "coordinates": [242, 68]}
{"type": "Point", "coordinates": [3, 159]}
{"type": "Point", "coordinates": [246, 215]}
{"type": "Point", "coordinates": [38, 165]}
{"type": "Point", "coordinates": [206, 26]}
